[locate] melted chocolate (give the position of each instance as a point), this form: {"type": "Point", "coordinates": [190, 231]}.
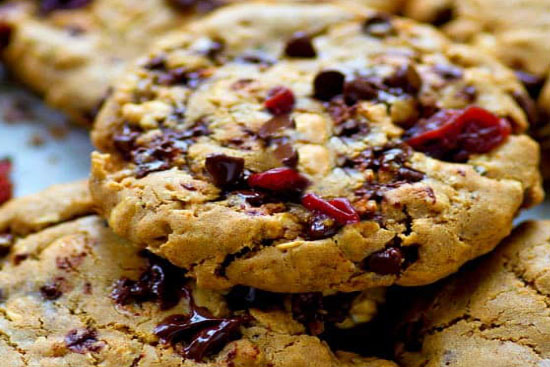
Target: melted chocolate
{"type": "Point", "coordinates": [198, 334]}
{"type": "Point", "coordinates": [83, 341]}
{"type": "Point", "coordinates": [160, 282]}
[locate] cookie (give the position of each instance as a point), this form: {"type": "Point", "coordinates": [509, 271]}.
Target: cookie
{"type": "Point", "coordinates": [56, 204]}
{"type": "Point", "coordinates": [71, 51]}
{"type": "Point", "coordinates": [515, 31]}
{"type": "Point", "coordinates": [495, 313]}
{"type": "Point", "coordinates": [271, 157]}
{"type": "Point", "coordinates": [75, 294]}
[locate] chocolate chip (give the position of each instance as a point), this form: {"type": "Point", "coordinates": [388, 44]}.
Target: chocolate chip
{"type": "Point", "coordinates": [181, 76]}
{"type": "Point", "coordinates": [124, 141]}
{"type": "Point", "coordinates": [360, 89]}
{"type": "Point", "coordinates": [224, 170]}
{"type": "Point", "coordinates": [300, 45]}
{"type": "Point", "coordinates": [286, 154]}
{"type": "Point", "coordinates": [386, 262]}
{"type": "Point", "coordinates": [532, 83]}
{"type": "Point", "coordinates": [351, 128]}
{"type": "Point", "coordinates": [328, 84]}
{"type": "Point", "coordinates": [159, 153]}
{"type": "Point", "coordinates": [406, 78]}
{"type": "Point", "coordinates": [52, 290]}
{"type": "Point", "coordinates": [161, 282]}
{"type": "Point", "coordinates": [48, 6]}
{"type": "Point", "coordinates": [320, 226]}
{"type": "Point", "coordinates": [83, 341]}
{"type": "Point", "coordinates": [379, 26]}
{"type": "Point", "coordinates": [275, 125]}
{"type": "Point", "coordinates": [19, 258]}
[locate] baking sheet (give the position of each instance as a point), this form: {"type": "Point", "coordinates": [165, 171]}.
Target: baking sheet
{"type": "Point", "coordinates": [46, 149]}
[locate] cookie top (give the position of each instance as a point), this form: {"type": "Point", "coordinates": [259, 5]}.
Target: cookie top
{"type": "Point", "coordinates": [74, 293]}
{"type": "Point", "coordinates": [270, 156]}
{"type": "Point", "coordinates": [515, 30]}
{"type": "Point", "coordinates": [71, 51]}
{"type": "Point", "coordinates": [495, 313]}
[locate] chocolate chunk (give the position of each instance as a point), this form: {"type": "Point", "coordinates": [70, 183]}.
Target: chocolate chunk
{"type": "Point", "coordinates": [300, 45]}
{"type": "Point", "coordinates": [224, 170]}
{"type": "Point", "coordinates": [52, 290]}
{"type": "Point", "coordinates": [159, 153]}
{"type": "Point", "coordinates": [19, 258]}
{"type": "Point", "coordinates": [328, 84]}
{"type": "Point", "coordinates": [161, 282]}
{"type": "Point", "coordinates": [532, 83]}
{"type": "Point", "coordinates": [379, 26]}
{"type": "Point", "coordinates": [198, 334]}
{"type": "Point", "coordinates": [360, 89]}
{"type": "Point", "coordinates": [386, 262]}
{"type": "Point", "coordinates": [406, 78]}
{"type": "Point", "coordinates": [125, 141]}
{"type": "Point", "coordinates": [275, 125]}
{"type": "Point", "coordinates": [48, 6]}
{"type": "Point", "coordinates": [320, 226]}
{"type": "Point", "coordinates": [286, 154]}
{"type": "Point", "coordinates": [83, 341]}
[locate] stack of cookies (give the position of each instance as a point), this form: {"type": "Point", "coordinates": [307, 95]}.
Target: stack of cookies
{"type": "Point", "coordinates": [278, 184]}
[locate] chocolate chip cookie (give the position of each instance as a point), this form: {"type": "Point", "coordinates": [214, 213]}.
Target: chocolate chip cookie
{"type": "Point", "coordinates": [493, 314]}
{"type": "Point", "coordinates": [70, 51]}
{"type": "Point", "coordinates": [75, 294]}
{"type": "Point", "coordinates": [515, 31]}
{"type": "Point", "coordinates": [272, 157]}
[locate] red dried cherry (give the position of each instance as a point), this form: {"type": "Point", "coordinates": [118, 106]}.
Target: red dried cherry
{"type": "Point", "coordinates": [339, 209]}
{"type": "Point", "coordinates": [455, 134]}
{"type": "Point", "coordinates": [6, 186]}
{"type": "Point", "coordinates": [280, 101]}
{"type": "Point", "coordinates": [279, 179]}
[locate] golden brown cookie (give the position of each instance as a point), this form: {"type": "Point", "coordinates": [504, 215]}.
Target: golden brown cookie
{"type": "Point", "coordinates": [71, 51]}
{"type": "Point", "coordinates": [493, 314]}
{"type": "Point", "coordinates": [270, 156]}
{"type": "Point", "coordinates": [514, 31]}
{"type": "Point", "coordinates": [75, 294]}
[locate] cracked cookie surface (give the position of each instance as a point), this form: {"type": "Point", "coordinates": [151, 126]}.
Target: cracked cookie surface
{"type": "Point", "coordinates": [74, 293]}
{"type": "Point", "coordinates": [271, 157]}
{"type": "Point", "coordinates": [71, 51]}
{"type": "Point", "coordinates": [495, 313]}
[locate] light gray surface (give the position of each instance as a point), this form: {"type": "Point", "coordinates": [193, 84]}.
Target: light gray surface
{"type": "Point", "coordinates": [67, 159]}
{"type": "Point", "coordinates": [57, 160]}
